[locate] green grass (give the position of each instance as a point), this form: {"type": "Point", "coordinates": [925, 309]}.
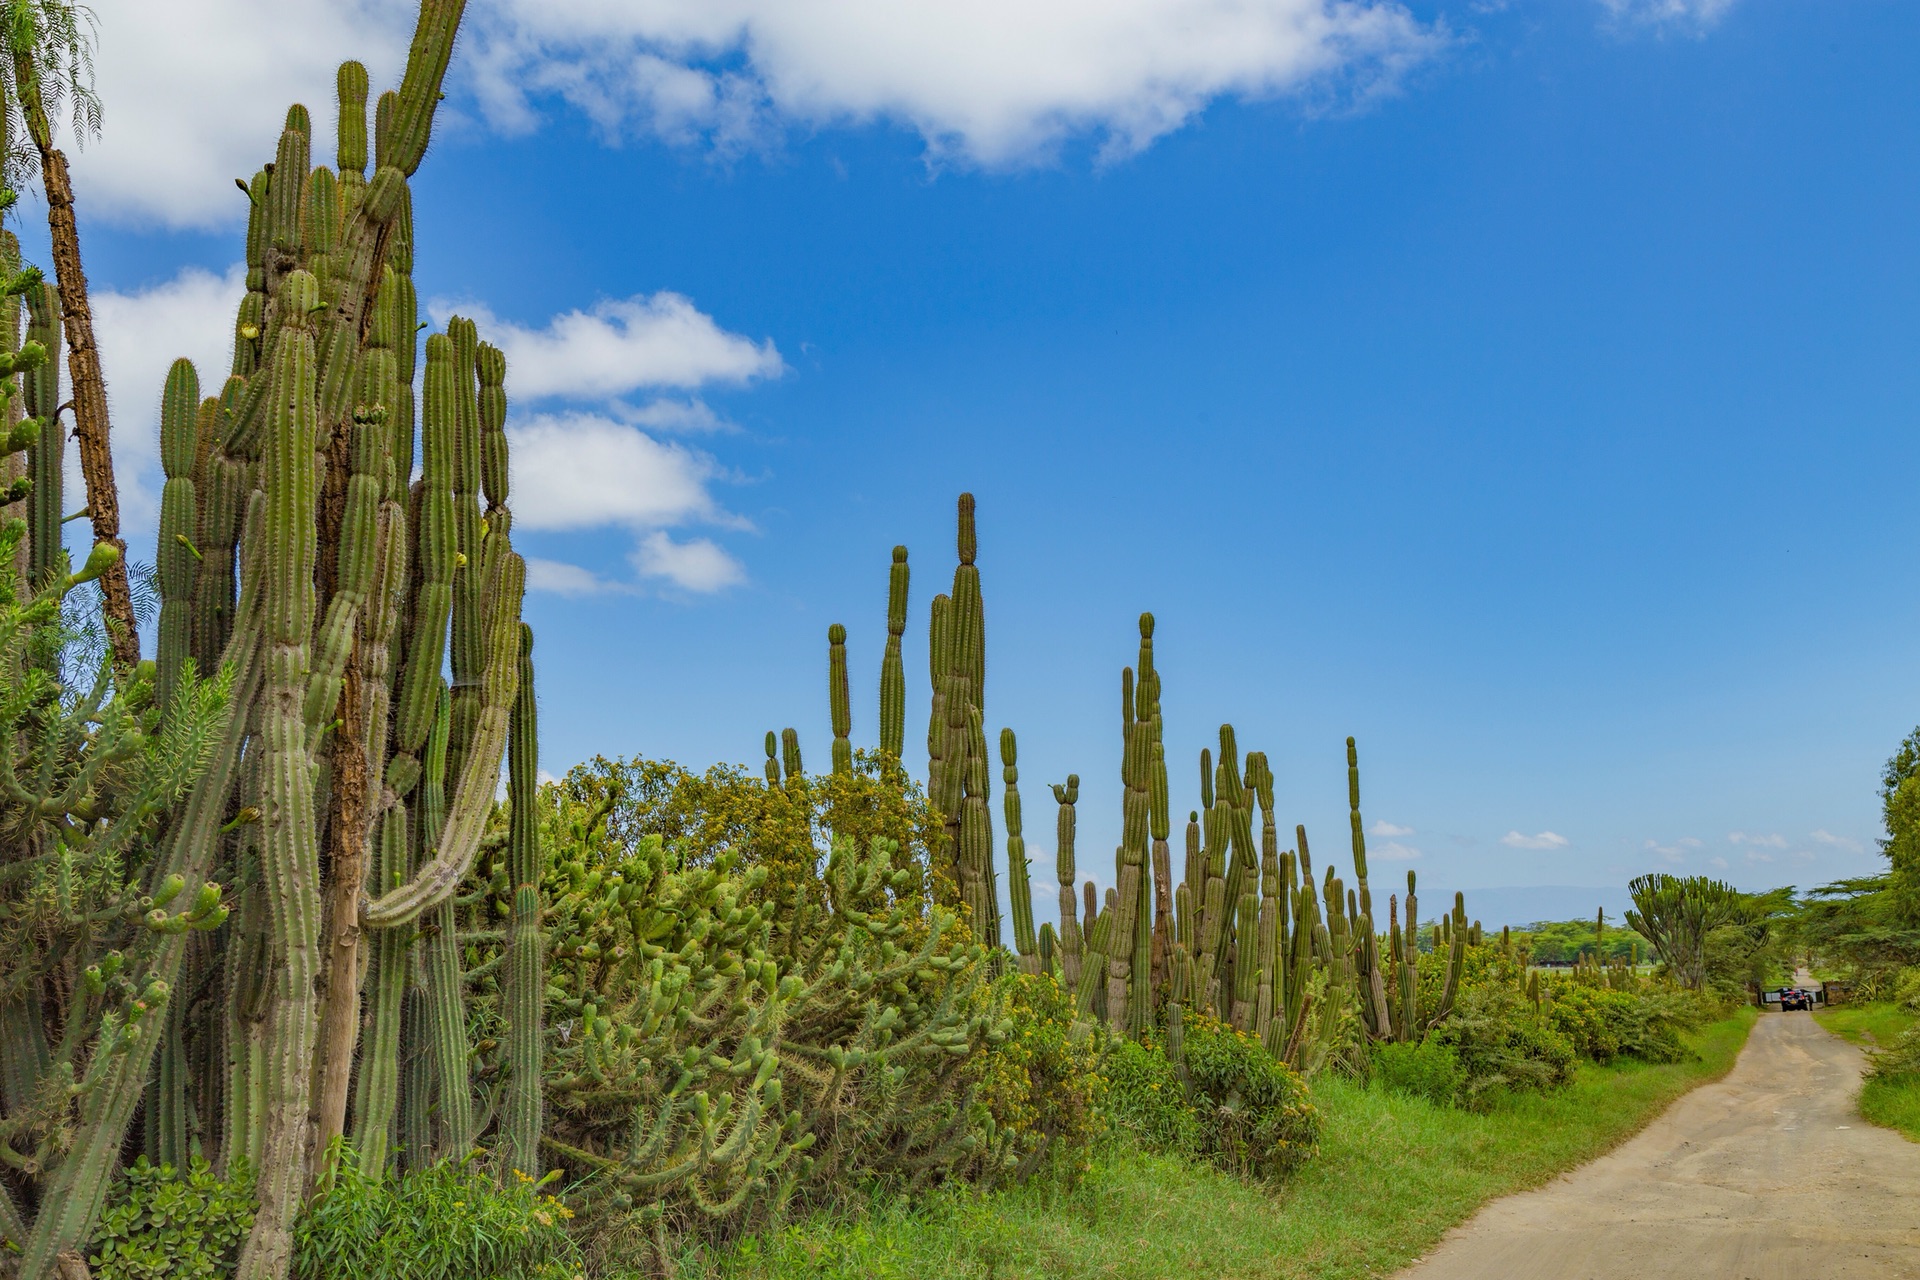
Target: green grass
{"type": "Point", "coordinates": [1890, 1101]}
{"type": "Point", "coordinates": [1874, 1025]}
{"type": "Point", "coordinates": [1393, 1174]}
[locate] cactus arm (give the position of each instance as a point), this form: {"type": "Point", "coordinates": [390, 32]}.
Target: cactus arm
{"type": "Point", "coordinates": [437, 879]}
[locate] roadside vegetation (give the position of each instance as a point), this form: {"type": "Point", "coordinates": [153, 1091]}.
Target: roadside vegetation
{"type": "Point", "coordinates": [1393, 1173]}
{"type": "Point", "coordinates": [291, 991]}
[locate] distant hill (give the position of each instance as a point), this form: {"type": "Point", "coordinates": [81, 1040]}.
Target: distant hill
{"type": "Point", "coordinates": [1520, 906]}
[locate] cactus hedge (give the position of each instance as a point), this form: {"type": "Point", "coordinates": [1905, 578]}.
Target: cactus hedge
{"type": "Point", "coordinates": [257, 899]}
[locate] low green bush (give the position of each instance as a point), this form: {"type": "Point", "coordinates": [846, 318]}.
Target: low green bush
{"type": "Point", "coordinates": [1504, 1044]}
{"type": "Point", "coordinates": [165, 1225]}
{"type": "Point", "coordinates": [1035, 1089]}
{"type": "Point", "coordinates": [1256, 1119]}
{"type": "Point", "coordinates": [445, 1222]}
{"type": "Point", "coordinates": [1144, 1099]}
{"type": "Point", "coordinates": [1427, 1069]}
{"type": "Point", "coordinates": [1603, 1024]}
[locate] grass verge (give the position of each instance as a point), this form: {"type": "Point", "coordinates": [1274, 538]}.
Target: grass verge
{"type": "Point", "coordinates": [1393, 1174]}
{"type": "Point", "coordinates": [1890, 1101]}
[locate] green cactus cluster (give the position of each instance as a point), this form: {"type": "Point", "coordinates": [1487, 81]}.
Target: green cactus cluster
{"type": "Point", "coordinates": [324, 791]}
{"type": "Point", "coordinates": [1245, 933]}
{"type": "Point", "coordinates": [957, 779]}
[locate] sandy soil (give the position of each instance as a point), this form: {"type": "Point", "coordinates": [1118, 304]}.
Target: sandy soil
{"type": "Point", "coordinates": [1769, 1174]}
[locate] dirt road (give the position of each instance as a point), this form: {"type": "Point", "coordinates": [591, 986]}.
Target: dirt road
{"type": "Point", "coordinates": [1768, 1175]}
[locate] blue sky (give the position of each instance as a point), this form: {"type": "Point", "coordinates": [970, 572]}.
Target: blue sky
{"type": "Point", "coordinates": [1524, 388]}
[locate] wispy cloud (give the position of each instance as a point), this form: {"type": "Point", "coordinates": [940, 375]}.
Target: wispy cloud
{"type": "Point", "coordinates": [1385, 828]}
{"type": "Point", "coordinates": [698, 564]}
{"type": "Point", "coordinates": [1541, 840]}
{"type": "Point", "coordinates": [1772, 840]}
{"type": "Point", "coordinates": [192, 92]}
{"type": "Point", "coordinates": [1394, 851]}
{"type": "Point", "coordinates": [1823, 836]}
{"type": "Point", "coordinates": [141, 333]}
{"type": "Point", "coordinates": [620, 345]}
{"type": "Point", "coordinates": [1695, 16]}
{"type": "Point", "coordinates": [1677, 851]}
{"type": "Point", "coordinates": [991, 82]}
{"type": "Point", "coordinates": [564, 579]}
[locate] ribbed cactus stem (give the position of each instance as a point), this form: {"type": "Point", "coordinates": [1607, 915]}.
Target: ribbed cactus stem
{"type": "Point", "coordinates": [526, 985]}
{"type": "Point", "coordinates": [1019, 879]}
{"type": "Point", "coordinates": [175, 554]}
{"type": "Point", "coordinates": [893, 679]}
{"type": "Point", "coordinates": [46, 457]}
{"type": "Point", "coordinates": [839, 699]}
{"type": "Point", "coordinates": [790, 755]}
{"type": "Point", "coordinates": [290, 855]}
{"type": "Point", "coordinates": [1072, 938]}
{"type": "Point", "coordinates": [773, 759]}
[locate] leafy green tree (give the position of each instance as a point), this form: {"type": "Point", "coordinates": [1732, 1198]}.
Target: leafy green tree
{"type": "Point", "coordinates": [1900, 809]}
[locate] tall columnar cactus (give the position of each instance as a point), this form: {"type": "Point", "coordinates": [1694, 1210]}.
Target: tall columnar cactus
{"type": "Point", "coordinates": [839, 700]}
{"type": "Point", "coordinates": [893, 678]}
{"type": "Point", "coordinates": [957, 777]}
{"type": "Point", "coordinates": [179, 523]}
{"type": "Point", "coordinates": [1072, 940]}
{"type": "Point", "coordinates": [1374, 1002]}
{"type": "Point", "coordinates": [46, 459]}
{"type": "Point", "coordinates": [790, 755]}
{"type": "Point", "coordinates": [321, 600]}
{"type": "Point", "coordinates": [526, 986]}
{"type": "Point", "coordinates": [1019, 878]}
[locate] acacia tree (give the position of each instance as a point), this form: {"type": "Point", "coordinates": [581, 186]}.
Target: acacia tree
{"type": "Point", "coordinates": [49, 65]}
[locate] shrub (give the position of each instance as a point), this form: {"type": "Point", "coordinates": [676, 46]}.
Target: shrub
{"type": "Point", "coordinates": [1428, 1069]}
{"type": "Point", "coordinates": [445, 1222]}
{"type": "Point", "coordinates": [161, 1225]}
{"type": "Point", "coordinates": [1143, 1098]}
{"type": "Point", "coordinates": [1906, 989]}
{"type": "Point", "coordinates": [1503, 1044]}
{"type": "Point", "coordinates": [1255, 1118]}
{"type": "Point", "coordinates": [1035, 1089]}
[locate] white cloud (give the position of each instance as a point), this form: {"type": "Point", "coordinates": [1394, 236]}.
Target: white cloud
{"type": "Point", "coordinates": [620, 345]}
{"type": "Point", "coordinates": [696, 565]}
{"type": "Point", "coordinates": [997, 82]}
{"type": "Point", "coordinates": [1772, 841]}
{"type": "Point", "coordinates": [195, 90]}
{"type": "Point", "coordinates": [194, 93]}
{"type": "Point", "coordinates": [1754, 855]}
{"type": "Point", "coordinates": [692, 416]}
{"type": "Point", "coordinates": [1677, 851]}
{"type": "Point", "coordinates": [1824, 836]}
{"type": "Point", "coordinates": [1385, 828]}
{"type": "Point", "coordinates": [1698, 15]}
{"type": "Point", "coordinates": [141, 334]}
{"type": "Point", "coordinates": [563, 579]}
{"type": "Point", "coordinates": [583, 471]}
{"type": "Point", "coordinates": [1394, 851]}
{"type": "Point", "coordinates": [1544, 840]}
{"type": "Point", "coordinates": [1719, 864]}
